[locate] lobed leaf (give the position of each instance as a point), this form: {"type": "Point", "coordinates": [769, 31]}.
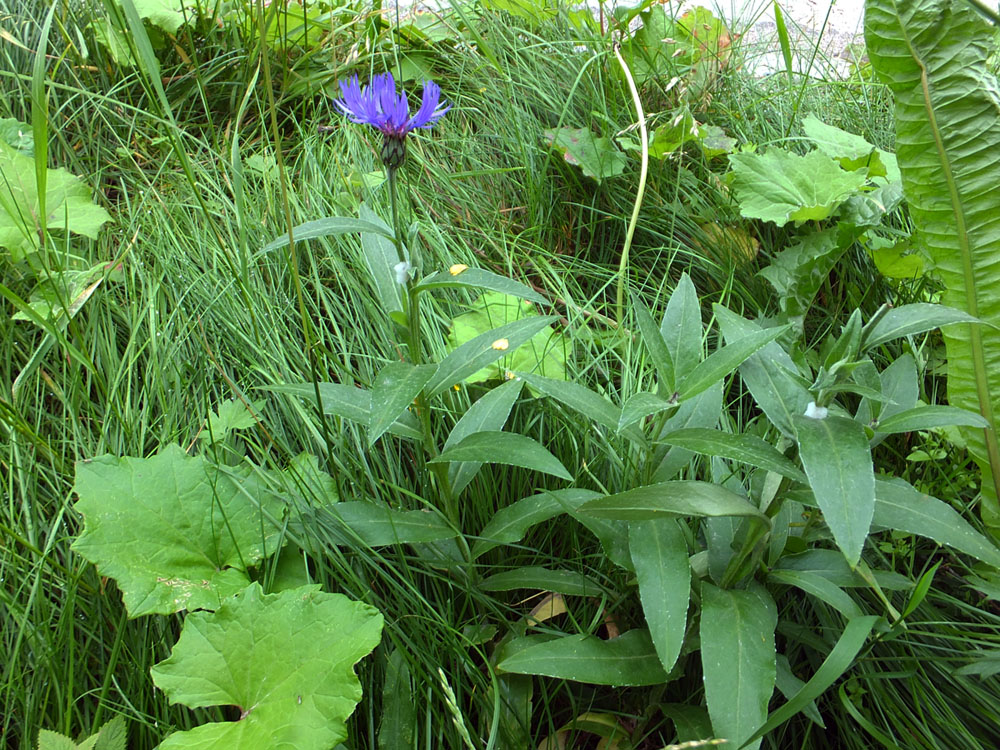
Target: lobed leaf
{"type": "Point", "coordinates": [782, 187]}
{"type": "Point", "coordinates": [286, 661]}
{"type": "Point", "coordinates": [174, 531]}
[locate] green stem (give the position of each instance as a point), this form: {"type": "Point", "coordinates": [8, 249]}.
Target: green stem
{"type": "Point", "coordinates": [397, 234]}
{"type": "Point", "coordinates": [411, 309]}
{"type": "Point", "coordinates": [644, 166]}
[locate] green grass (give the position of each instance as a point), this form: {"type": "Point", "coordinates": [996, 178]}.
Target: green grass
{"type": "Point", "coordinates": [199, 313]}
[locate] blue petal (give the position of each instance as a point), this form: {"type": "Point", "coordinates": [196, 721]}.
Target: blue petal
{"type": "Point", "coordinates": [431, 109]}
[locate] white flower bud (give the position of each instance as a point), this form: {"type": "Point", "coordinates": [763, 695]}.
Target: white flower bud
{"type": "Point", "coordinates": [816, 412]}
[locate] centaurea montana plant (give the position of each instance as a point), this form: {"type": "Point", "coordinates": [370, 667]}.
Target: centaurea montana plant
{"type": "Point", "coordinates": [378, 104]}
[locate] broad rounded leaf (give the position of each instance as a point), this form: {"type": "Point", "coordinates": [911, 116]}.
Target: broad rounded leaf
{"type": "Point", "coordinates": [68, 204]}
{"type": "Point", "coordinates": [285, 660]}
{"type": "Point", "coordinates": [597, 157]}
{"type": "Point", "coordinates": [174, 531]}
{"type": "Point", "coordinates": [781, 187]}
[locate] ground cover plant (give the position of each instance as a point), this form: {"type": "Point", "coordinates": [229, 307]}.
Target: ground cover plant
{"type": "Point", "coordinates": [593, 393]}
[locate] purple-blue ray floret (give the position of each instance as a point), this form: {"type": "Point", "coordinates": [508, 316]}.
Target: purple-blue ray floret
{"type": "Point", "coordinates": [378, 105]}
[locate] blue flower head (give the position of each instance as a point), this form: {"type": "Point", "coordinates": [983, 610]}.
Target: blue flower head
{"type": "Point", "coordinates": [378, 105]}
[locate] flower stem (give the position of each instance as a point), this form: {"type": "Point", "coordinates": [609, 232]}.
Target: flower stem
{"type": "Point", "coordinates": [397, 234]}
{"type": "Point", "coordinates": [411, 308]}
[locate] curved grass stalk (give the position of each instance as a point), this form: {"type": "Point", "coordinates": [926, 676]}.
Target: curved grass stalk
{"type": "Point", "coordinates": [644, 139]}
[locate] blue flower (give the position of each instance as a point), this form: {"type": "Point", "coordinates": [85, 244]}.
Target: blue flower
{"type": "Point", "coordinates": [378, 105]}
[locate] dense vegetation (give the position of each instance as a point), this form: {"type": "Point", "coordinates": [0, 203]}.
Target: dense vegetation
{"type": "Point", "coordinates": [656, 440]}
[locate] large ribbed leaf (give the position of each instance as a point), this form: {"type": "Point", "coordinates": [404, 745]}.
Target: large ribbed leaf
{"type": "Point", "coordinates": [934, 56]}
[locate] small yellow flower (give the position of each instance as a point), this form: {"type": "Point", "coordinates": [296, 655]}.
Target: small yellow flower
{"type": "Point", "coordinates": [456, 269]}
{"type": "Point", "coordinates": [457, 387]}
{"type": "Point", "coordinates": [501, 345]}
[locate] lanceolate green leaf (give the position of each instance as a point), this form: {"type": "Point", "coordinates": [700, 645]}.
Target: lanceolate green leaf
{"type": "Point", "coordinates": [568, 582]}
{"type": "Point", "coordinates": [681, 498]}
{"type": "Point", "coordinates": [929, 417]}
{"type": "Point", "coordinates": [652, 339]}
{"type": "Point", "coordinates": [495, 447]}
{"type": "Point", "coordinates": [479, 278]}
{"type": "Point", "coordinates": [399, 712]}
{"type": "Point", "coordinates": [738, 659]}
{"type": "Point", "coordinates": [510, 524]}
{"type": "Point", "coordinates": [488, 347]}
{"type": "Point", "coordinates": [641, 405]}
{"type": "Point", "coordinates": [584, 401]}
{"type": "Point", "coordinates": [577, 397]}
{"type": "Point", "coordinates": [173, 530]}
{"type": "Point", "coordinates": [935, 56]}
{"type": "Point", "coordinates": [838, 462]}
{"type": "Point", "coordinates": [488, 413]}
{"type": "Point", "coordinates": [660, 555]}
{"type": "Point", "coordinates": [286, 661]}
{"type": "Point", "coordinates": [748, 449]}
{"type": "Point", "coordinates": [376, 525]}
{"type": "Point", "coordinates": [682, 328]}
{"type": "Point", "coordinates": [380, 255]}
{"type": "Point", "coordinates": [901, 506]}
{"type": "Point", "coordinates": [349, 402]}
{"type": "Point", "coordinates": [329, 227]}
{"type": "Point", "coordinates": [820, 587]}
{"type": "Point", "coordinates": [721, 363]}
{"type": "Point", "coordinates": [838, 662]}
{"type": "Point", "coordinates": [396, 386]}
{"type": "Point", "coordinates": [911, 320]}
{"type": "Point", "coordinates": [626, 660]}
{"type": "Point", "coordinates": [767, 374]}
